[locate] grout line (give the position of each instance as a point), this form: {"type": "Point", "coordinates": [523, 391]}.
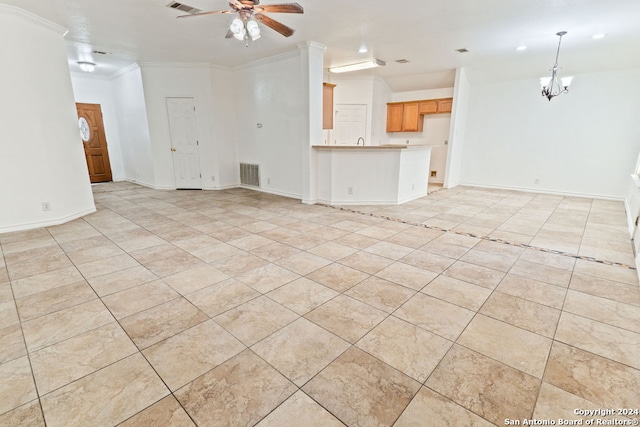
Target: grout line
{"type": "Point", "coordinates": [486, 238]}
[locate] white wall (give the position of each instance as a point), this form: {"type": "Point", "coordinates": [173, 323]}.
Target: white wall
{"type": "Point", "coordinates": [225, 128]}
{"type": "Point", "coordinates": [131, 111]}
{"type": "Point", "coordinates": [581, 143]}
{"type": "Point", "coordinates": [381, 95]}
{"type": "Point", "coordinates": [457, 131]}
{"type": "Point", "coordinates": [353, 90]}
{"type": "Point", "coordinates": [42, 157]}
{"type": "Point", "coordinates": [422, 94]}
{"type": "Point", "coordinates": [162, 81]}
{"type": "Point", "coordinates": [271, 94]}
{"type": "Point", "coordinates": [419, 137]}
{"type": "Point", "coordinates": [91, 90]}
{"type": "Point", "coordinates": [435, 129]}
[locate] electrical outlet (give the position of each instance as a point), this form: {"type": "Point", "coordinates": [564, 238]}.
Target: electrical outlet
{"type": "Point", "coordinates": [434, 174]}
{"type": "Point", "coordinates": [413, 186]}
{"type": "Point", "coordinates": [536, 181]}
{"type": "Point", "coordinates": [269, 181]}
{"type": "Point", "coordinates": [46, 206]}
{"type": "Point", "coordinates": [349, 190]}
{"type": "Point", "coordinates": [213, 178]}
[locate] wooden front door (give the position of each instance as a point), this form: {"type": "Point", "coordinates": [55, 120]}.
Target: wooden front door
{"type": "Point", "coordinates": [94, 141]}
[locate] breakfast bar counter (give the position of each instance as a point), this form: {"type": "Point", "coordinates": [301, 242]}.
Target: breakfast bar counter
{"type": "Point", "coordinates": [371, 174]}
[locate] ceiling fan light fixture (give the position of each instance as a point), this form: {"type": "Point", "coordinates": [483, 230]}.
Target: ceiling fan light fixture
{"type": "Point", "coordinates": [359, 66]}
{"type": "Point", "coordinates": [237, 26]}
{"type": "Point", "coordinates": [253, 29]}
{"type": "Point", "coordinates": [240, 35]}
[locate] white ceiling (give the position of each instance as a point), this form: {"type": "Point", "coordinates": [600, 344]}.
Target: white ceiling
{"type": "Point", "coordinates": [425, 32]}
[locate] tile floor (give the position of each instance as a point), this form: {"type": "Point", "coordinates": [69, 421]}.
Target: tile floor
{"type": "Point", "coordinates": [181, 308]}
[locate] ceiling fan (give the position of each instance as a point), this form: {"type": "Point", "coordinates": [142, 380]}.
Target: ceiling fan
{"type": "Point", "coordinates": [250, 11]}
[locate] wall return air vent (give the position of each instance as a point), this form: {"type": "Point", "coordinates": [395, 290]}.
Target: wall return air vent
{"type": "Point", "coordinates": [250, 174]}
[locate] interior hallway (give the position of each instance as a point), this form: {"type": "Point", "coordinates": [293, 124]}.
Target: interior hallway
{"type": "Point", "coordinates": [239, 308]}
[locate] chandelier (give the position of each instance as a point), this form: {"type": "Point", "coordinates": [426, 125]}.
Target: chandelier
{"type": "Point", "coordinates": [553, 86]}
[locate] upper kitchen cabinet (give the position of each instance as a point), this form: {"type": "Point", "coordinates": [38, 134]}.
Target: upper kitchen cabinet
{"type": "Point", "coordinates": [444, 105]}
{"type": "Point", "coordinates": [403, 117]}
{"type": "Point", "coordinates": [327, 105]}
{"type": "Point", "coordinates": [411, 118]}
{"type": "Point", "coordinates": [408, 116]}
{"type": "Point", "coordinates": [394, 117]}
{"type": "Point", "coordinates": [428, 107]}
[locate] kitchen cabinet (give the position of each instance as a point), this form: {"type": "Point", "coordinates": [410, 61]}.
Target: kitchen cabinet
{"type": "Point", "coordinates": [404, 117]}
{"type": "Point", "coordinates": [327, 105]}
{"type": "Point", "coordinates": [394, 117]}
{"type": "Point", "coordinates": [428, 107]}
{"type": "Point", "coordinates": [408, 116]}
{"type": "Point", "coordinates": [411, 118]}
{"type": "Point", "coordinates": [444, 105]}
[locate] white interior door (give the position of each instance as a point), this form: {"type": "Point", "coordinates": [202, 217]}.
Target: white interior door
{"type": "Point", "coordinates": [350, 123]}
{"type": "Point", "coordinates": [184, 142]}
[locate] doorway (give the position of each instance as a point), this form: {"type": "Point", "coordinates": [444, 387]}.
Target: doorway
{"type": "Point", "coordinates": [184, 143]}
{"type": "Point", "coordinates": [94, 142]}
{"type": "Point", "coordinates": [350, 123]}
{"type": "Point", "coordinates": [436, 132]}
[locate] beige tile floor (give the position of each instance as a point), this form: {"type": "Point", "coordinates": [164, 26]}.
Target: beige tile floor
{"type": "Point", "coordinates": [178, 308]}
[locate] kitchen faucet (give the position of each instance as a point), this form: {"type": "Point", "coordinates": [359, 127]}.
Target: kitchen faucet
{"type": "Point", "coordinates": [358, 143]}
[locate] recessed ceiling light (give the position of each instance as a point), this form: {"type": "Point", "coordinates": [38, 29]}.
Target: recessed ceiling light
{"type": "Point", "coordinates": [521, 48]}
{"type": "Point", "coordinates": [363, 49]}
{"type": "Point", "coordinates": [598, 36]}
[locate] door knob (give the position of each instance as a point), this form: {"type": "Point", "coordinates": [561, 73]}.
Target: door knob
{"type": "Point", "coordinates": [173, 149]}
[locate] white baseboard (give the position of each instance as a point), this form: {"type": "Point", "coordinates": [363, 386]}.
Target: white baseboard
{"type": "Point", "coordinates": [277, 193]}
{"type": "Point", "coordinates": [542, 191]}
{"type": "Point", "coordinates": [48, 222]}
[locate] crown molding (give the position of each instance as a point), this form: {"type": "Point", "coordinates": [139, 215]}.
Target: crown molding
{"type": "Point", "coordinates": [124, 70]}
{"type": "Point", "coordinates": [268, 60]}
{"type": "Point", "coordinates": [34, 19]}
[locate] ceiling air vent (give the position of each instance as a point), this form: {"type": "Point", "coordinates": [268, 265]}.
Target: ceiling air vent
{"type": "Point", "coordinates": [402, 61]}
{"type": "Point", "coordinates": [463, 50]}
{"type": "Point", "coordinates": [183, 7]}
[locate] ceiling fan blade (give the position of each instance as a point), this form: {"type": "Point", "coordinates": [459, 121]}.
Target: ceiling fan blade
{"type": "Point", "coordinates": [274, 25]}
{"type": "Point", "coordinates": [235, 4]}
{"type": "Point", "coordinates": [281, 8]}
{"type": "Point", "coordinates": [213, 12]}
{"type": "Point", "coordinates": [229, 34]}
